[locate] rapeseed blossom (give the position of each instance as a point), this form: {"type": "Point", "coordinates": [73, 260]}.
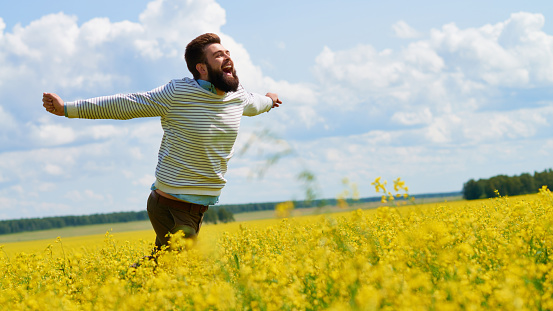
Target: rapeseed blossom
{"type": "Point", "coordinates": [399, 185]}
{"type": "Point", "coordinates": [283, 210]}
{"type": "Point", "coordinates": [488, 254]}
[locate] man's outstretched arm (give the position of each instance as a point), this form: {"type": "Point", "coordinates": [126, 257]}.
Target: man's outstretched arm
{"type": "Point", "coordinates": [257, 103]}
{"type": "Point", "coordinates": [53, 104]}
{"type": "Point", "coordinates": [119, 106]}
{"type": "Point", "coordinates": [275, 99]}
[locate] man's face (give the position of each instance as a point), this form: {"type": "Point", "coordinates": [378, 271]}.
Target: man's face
{"type": "Point", "coordinates": [220, 68]}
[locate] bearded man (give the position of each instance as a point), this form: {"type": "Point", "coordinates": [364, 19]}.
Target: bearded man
{"type": "Point", "coordinates": [200, 118]}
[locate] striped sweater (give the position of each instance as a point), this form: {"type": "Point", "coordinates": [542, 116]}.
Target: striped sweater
{"type": "Point", "coordinates": [199, 129]}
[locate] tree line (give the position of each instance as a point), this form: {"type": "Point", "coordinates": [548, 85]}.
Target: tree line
{"type": "Point", "coordinates": [507, 185]}
{"type": "Point", "coordinates": [218, 214]}
{"type": "Point", "coordinates": [213, 215]}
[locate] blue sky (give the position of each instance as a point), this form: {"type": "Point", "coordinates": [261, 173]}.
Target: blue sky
{"type": "Point", "coordinates": [434, 92]}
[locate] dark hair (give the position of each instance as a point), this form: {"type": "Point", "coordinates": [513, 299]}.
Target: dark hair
{"type": "Point", "coordinates": [194, 53]}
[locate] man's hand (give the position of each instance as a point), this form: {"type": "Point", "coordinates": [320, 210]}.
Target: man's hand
{"type": "Point", "coordinates": [274, 97]}
{"type": "Point", "coordinates": [53, 104]}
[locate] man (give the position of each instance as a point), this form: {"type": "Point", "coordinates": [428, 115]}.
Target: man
{"type": "Point", "coordinates": [200, 118]}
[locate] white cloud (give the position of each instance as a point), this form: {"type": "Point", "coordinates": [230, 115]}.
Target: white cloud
{"type": "Point", "coordinates": [90, 194]}
{"type": "Point", "coordinates": [33, 208]}
{"type": "Point", "coordinates": [53, 169]}
{"type": "Point", "coordinates": [74, 195]}
{"type": "Point", "coordinates": [519, 124]}
{"type": "Point", "coordinates": [445, 82]}
{"type": "Point", "coordinates": [105, 131]}
{"type": "Point", "coordinates": [422, 57]}
{"type": "Point", "coordinates": [47, 134]}
{"type": "Point", "coordinates": [47, 187]}
{"type": "Point", "coordinates": [2, 27]}
{"type": "Point", "coordinates": [53, 52]}
{"type": "Point", "coordinates": [53, 32]}
{"type": "Point", "coordinates": [423, 116]}
{"type": "Point", "coordinates": [403, 30]}
{"type": "Point", "coordinates": [149, 48]}
{"type": "Point", "coordinates": [173, 21]}
{"type": "Point", "coordinates": [145, 181]}
{"type": "Point", "coordinates": [475, 55]}
{"type": "Point", "coordinates": [136, 153]}
{"type": "Point", "coordinates": [99, 31]}
{"type": "Point", "coordinates": [514, 53]}
{"type": "Point", "coordinates": [547, 148]}
{"type": "Point", "coordinates": [7, 121]}
{"type": "Point", "coordinates": [443, 129]}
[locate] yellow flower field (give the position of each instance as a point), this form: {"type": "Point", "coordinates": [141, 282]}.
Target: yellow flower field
{"type": "Point", "coordinates": [488, 254]}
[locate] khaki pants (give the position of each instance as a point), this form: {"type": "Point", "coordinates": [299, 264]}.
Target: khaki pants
{"type": "Point", "coordinates": [169, 216]}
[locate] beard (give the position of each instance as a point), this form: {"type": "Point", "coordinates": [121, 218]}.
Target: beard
{"type": "Point", "coordinates": [221, 81]}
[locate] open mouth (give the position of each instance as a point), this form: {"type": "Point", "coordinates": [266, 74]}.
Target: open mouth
{"type": "Point", "coordinates": [227, 68]}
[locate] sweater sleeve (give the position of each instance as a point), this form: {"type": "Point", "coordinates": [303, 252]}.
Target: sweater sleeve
{"type": "Point", "coordinates": [256, 104]}
{"type": "Point", "coordinates": [154, 103]}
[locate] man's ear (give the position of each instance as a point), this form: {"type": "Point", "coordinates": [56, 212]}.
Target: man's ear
{"type": "Point", "coordinates": [202, 69]}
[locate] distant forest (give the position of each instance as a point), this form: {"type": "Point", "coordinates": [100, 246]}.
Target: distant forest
{"type": "Point", "coordinates": [507, 185]}
{"type": "Point", "coordinates": [215, 214]}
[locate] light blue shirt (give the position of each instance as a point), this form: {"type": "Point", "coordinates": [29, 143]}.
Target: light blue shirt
{"type": "Point", "coordinates": [193, 198]}
{"type": "Point", "coordinates": [206, 85]}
